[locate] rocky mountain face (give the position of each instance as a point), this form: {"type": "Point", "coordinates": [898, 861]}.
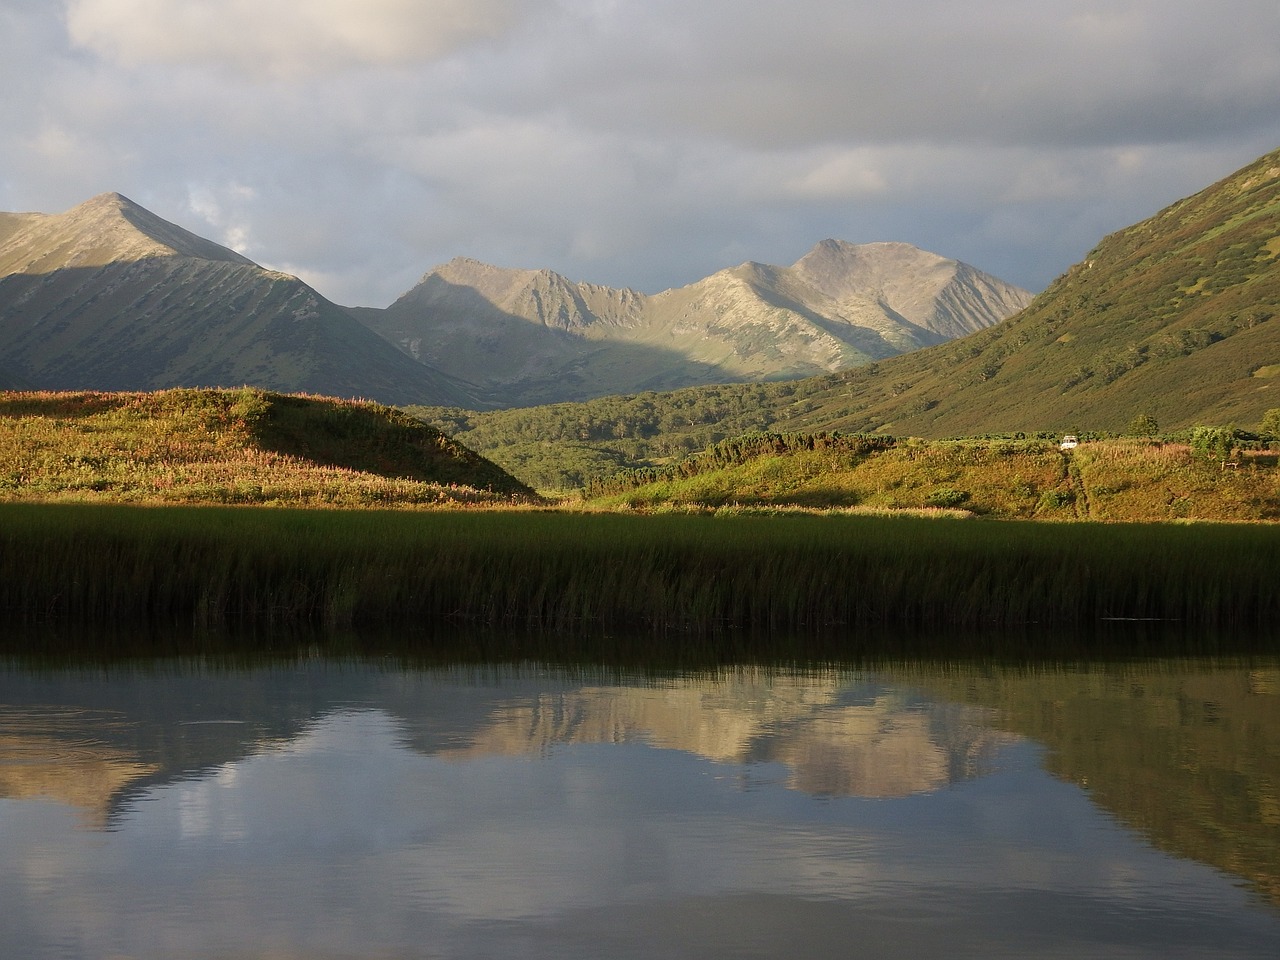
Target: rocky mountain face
{"type": "Point", "coordinates": [109, 296]}
{"type": "Point", "coordinates": [531, 336]}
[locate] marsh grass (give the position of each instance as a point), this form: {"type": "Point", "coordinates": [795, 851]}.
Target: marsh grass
{"type": "Point", "coordinates": [574, 572]}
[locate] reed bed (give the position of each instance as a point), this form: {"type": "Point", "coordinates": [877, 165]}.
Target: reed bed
{"type": "Point", "coordinates": [248, 568]}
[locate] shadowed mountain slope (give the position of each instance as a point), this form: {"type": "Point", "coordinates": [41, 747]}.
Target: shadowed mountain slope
{"type": "Point", "coordinates": [531, 336]}
{"type": "Point", "coordinates": [109, 296]}
{"type": "Point", "coordinates": [11, 381]}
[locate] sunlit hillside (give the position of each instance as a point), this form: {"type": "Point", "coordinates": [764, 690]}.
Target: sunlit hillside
{"type": "Point", "coordinates": [233, 446]}
{"type": "Point", "coordinates": [1174, 319]}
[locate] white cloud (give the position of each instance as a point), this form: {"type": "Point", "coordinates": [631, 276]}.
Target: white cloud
{"type": "Point", "coordinates": [284, 37]}
{"type": "Point", "coordinates": [224, 209]}
{"type": "Point", "coordinates": [840, 174]}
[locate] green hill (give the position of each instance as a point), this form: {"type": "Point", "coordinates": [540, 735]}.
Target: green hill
{"type": "Point", "coordinates": [234, 446]}
{"type": "Point", "coordinates": [1173, 318]}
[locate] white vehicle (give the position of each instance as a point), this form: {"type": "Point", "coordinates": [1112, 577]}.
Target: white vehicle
{"type": "Point", "coordinates": [1069, 442]}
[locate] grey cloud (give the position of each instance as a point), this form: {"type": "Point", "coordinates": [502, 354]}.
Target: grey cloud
{"type": "Point", "coordinates": [633, 143]}
{"type": "Point", "coordinates": [1003, 71]}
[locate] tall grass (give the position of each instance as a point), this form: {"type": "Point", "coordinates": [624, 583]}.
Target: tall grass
{"type": "Point", "coordinates": [588, 572]}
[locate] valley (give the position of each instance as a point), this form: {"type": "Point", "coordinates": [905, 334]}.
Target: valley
{"type": "Point", "coordinates": [1170, 319]}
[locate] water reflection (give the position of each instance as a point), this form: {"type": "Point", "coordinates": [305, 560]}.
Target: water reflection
{"type": "Point", "coordinates": [1187, 753]}
{"type": "Point", "coordinates": [836, 736]}
{"type": "Point", "coordinates": [56, 752]}
{"type": "Point", "coordinates": [363, 809]}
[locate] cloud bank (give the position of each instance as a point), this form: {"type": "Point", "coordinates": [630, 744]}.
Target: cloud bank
{"type": "Point", "coordinates": [640, 144]}
{"type": "Point", "coordinates": [283, 37]}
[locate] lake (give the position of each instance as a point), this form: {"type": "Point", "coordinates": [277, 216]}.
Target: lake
{"type": "Point", "coordinates": [311, 806]}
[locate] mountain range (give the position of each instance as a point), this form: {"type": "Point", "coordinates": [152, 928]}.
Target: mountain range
{"type": "Point", "coordinates": [109, 296]}
{"type": "Point", "coordinates": [1173, 319]}
{"type": "Point", "coordinates": [532, 336]}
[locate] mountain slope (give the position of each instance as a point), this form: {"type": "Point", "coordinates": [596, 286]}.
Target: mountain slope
{"type": "Point", "coordinates": [1173, 317]}
{"type": "Point", "coordinates": [1177, 318]}
{"type": "Point", "coordinates": [109, 296]}
{"type": "Point", "coordinates": [531, 336]}
{"type": "Point", "coordinates": [11, 381]}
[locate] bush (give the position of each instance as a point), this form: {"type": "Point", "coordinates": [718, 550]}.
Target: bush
{"type": "Point", "coordinates": [1144, 425]}
{"type": "Point", "coordinates": [1215, 443]}
{"type": "Point", "coordinates": [947, 497]}
{"type": "Point", "coordinates": [1052, 499]}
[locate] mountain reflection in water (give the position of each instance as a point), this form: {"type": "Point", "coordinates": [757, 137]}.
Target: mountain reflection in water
{"type": "Point", "coordinates": [885, 743]}
{"type": "Point", "coordinates": [567, 805]}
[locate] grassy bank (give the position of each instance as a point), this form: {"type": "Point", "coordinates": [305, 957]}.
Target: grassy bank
{"type": "Point", "coordinates": [1124, 479]}
{"type": "Point", "coordinates": [588, 572]}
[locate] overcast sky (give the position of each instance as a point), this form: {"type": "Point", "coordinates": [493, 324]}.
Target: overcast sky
{"type": "Point", "coordinates": [640, 143]}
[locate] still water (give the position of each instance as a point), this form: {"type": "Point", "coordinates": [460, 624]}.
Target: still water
{"type": "Point", "coordinates": [317, 808]}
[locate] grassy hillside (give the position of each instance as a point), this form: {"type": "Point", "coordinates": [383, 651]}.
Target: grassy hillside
{"type": "Point", "coordinates": [1174, 318]}
{"type": "Point", "coordinates": [233, 446]}
{"type": "Point", "coordinates": [1118, 480]}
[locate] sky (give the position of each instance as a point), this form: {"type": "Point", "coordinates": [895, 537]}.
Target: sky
{"type": "Point", "coordinates": [632, 143]}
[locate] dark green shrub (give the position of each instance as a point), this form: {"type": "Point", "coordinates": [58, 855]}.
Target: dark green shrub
{"type": "Point", "coordinates": [1271, 424]}
{"type": "Point", "coordinates": [947, 497]}
{"type": "Point", "coordinates": [1144, 425]}
{"type": "Point", "coordinates": [1052, 499]}
{"type": "Point", "coordinates": [1215, 443]}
